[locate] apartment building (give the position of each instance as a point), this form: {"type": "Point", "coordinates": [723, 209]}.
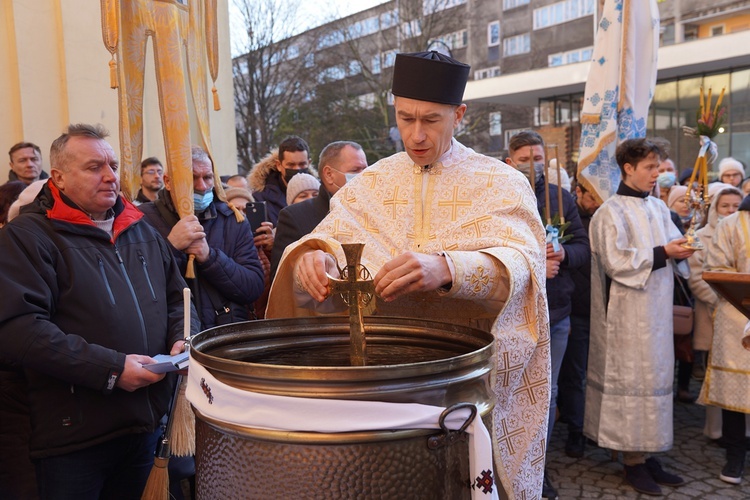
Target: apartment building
{"type": "Point", "coordinates": [530, 61]}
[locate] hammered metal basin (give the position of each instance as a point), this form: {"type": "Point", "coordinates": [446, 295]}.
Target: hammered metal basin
{"type": "Point", "coordinates": [409, 360]}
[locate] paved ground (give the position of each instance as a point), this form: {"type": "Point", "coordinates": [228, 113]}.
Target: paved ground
{"type": "Point", "coordinates": [693, 457]}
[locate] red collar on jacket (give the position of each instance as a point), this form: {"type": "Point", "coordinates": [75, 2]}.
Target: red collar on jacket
{"type": "Point", "coordinates": [127, 216]}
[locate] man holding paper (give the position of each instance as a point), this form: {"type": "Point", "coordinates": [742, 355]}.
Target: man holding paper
{"type": "Point", "coordinates": [91, 293]}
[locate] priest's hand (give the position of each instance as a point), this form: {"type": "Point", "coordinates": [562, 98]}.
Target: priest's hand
{"type": "Point", "coordinates": [185, 232]}
{"type": "Point", "coordinates": [310, 273]}
{"type": "Point", "coordinates": [134, 375]}
{"type": "Point", "coordinates": [411, 272]}
{"type": "Point", "coordinates": [675, 250]}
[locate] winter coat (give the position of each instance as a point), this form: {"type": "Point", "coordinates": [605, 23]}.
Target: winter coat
{"type": "Point", "coordinates": [577, 251]}
{"type": "Point", "coordinates": [232, 277]}
{"type": "Point", "coordinates": [75, 302]}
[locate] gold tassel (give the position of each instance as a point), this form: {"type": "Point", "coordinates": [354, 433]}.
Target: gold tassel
{"type": "Point", "coordinates": [237, 212]}
{"type": "Point", "coordinates": [217, 106]}
{"type": "Point", "coordinates": [190, 271]}
{"type": "Point", "coordinates": [113, 72]}
{"type": "Point", "coordinates": [183, 428]}
{"type": "Point", "coordinates": [157, 486]}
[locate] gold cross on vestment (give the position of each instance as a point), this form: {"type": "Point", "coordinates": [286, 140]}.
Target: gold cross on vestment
{"type": "Point", "coordinates": [454, 204]}
{"type": "Point", "coordinates": [357, 289]}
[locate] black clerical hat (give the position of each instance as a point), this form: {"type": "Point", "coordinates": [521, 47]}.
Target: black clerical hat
{"type": "Point", "coordinates": [430, 76]}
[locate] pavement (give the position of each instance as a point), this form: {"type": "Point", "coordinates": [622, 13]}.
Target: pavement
{"type": "Point", "coordinates": [694, 457]}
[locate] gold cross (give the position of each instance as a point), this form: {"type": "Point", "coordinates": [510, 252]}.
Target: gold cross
{"type": "Point", "coordinates": [338, 231]}
{"type": "Point", "coordinates": [506, 436]}
{"type": "Point", "coordinates": [357, 293]}
{"type": "Point", "coordinates": [507, 237]}
{"type": "Point", "coordinates": [475, 224]}
{"type": "Point", "coordinates": [530, 321]}
{"type": "Point", "coordinates": [454, 203]}
{"type": "Point", "coordinates": [394, 201]}
{"type": "Point", "coordinates": [478, 279]}
{"type": "Point", "coordinates": [491, 175]}
{"type": "Point", "coordinates": [528, 387]}
{"type": "Point", "coordinates": [508, 370]}
{"type": "Point", "coordinates": [372, 175]}
{"type": "Point", "coordinates": [369, 227]}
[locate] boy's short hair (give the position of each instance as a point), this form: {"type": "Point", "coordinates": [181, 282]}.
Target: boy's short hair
{"type": "Point", "coordinates": [525, 138]}
{"type": "Point", "coordinates": [633, 151]}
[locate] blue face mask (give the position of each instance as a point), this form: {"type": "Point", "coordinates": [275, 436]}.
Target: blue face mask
{"type": "Point", "coordinates": [666, 180]}
{"type": "Point", "coordinates": [350, 176]}
{"type": "Point", "coordinates": [525, 167]}
{"type": "Point", "coordinates": [202, 201]}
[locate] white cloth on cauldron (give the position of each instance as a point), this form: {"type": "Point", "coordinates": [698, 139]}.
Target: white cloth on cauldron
{"type": "Point", "coordinates": [219, 401]}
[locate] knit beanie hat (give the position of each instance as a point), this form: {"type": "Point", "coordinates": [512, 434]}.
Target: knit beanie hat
{"type": "Point", "coordinates": [730, 163]}
{"type": "Point", "coordinates": [238, 192]}
{"type": "Point", "coordinates": [298, 183]}
{"type": "Point", "coordinates": [675, 193]}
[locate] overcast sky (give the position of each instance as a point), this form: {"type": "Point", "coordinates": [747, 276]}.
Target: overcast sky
{"type": "Point", "coordinates": [312, 13]}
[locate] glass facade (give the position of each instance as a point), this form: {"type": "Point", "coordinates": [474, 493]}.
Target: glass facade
{"type": "Point", "coordinates": [675, 105]}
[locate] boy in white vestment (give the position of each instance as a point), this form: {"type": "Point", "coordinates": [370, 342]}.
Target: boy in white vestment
{"type": "Point", "coordinates": [634, 247]}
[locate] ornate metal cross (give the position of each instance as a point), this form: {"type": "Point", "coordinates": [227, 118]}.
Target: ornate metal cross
{"type": "Point", "coordinates": [357, 289]}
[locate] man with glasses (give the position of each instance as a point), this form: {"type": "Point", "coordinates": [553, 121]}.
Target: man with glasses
{"type": "Point", "coordinates": [152, 180]}
{"type": "Point", "coordinates": [338, 162]}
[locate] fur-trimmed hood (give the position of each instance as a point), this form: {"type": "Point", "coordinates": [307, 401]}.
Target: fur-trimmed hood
{"type": "Point", "coordinates": [258, 175]}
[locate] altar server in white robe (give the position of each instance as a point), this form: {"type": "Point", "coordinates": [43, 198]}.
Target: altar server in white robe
{"type": "Point", "coordinates": [727, 382]}
{"type": "Point", "coordinates": [452, 235]}
{"type": "Point", "coordinates": [634, 247]}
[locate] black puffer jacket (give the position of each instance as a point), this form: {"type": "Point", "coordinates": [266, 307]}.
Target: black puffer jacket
{"type": "Point", "coordinates": [75, 302]}
{"type": "Point", "coordinates": [577, 251]}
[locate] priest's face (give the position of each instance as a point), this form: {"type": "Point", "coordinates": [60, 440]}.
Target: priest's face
{"type": "Point", "coordinates": [426, 127]}
{"type": "Point", "coordinates": [642, 177]}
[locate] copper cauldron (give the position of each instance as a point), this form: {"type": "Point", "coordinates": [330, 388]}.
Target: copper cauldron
{"type": "Point", "coordinates": [409, 360]}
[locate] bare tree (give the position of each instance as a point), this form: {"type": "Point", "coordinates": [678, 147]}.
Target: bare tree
{"type": "Point", "coordinates": [270, 75]}
{"type": "Point", "coordinates": [361, 50]}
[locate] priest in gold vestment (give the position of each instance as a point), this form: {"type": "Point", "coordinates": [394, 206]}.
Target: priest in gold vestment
{"type": "Point", "coordinates": [451, 235]}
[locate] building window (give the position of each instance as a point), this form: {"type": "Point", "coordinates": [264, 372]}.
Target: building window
{"type": "Point", "coordinates": [388, 19]}
{"type": "Point", "coordinates": [411, 29]}
{"type": "Point", "coordinates": [493, 34]}
{"type": "Point", "coordinates": [389, 58]}
{"type": "Point", "coordinates": [543, 114]}
{"type": "Point", "coordinates": [512, 4]}
{"type": "Point", "coordinates": [511, 132]}
{"type": "Point", "coordinates": [310, 60]}
{"type": "Point", "coordinates": [570, 57]}
{"type": "Point", "coordinates": [366, 101]}
{"type": "Point", "coordinates": [562, 12]}
{"type": "Point", "coordinates": [354, 68]}
{"type": "Point", "coordinates": [514, 45]}
{"type": "Point", "coordinates": [496, 123]}
{"type": "Point", "coordinates": [432, 6]}
{"type": "Point", "coordinates": [292, 52]}
{"type": "Point", "coordinates": [455, 40]}
{"type": "Point", "coordinates": [331, 39]}
{"type": "Point", "coordinates": [375, 64]}
{"type": "Point", "coordinates": [331, 74]}
{"type": "Point", "coordinates": [492, 72]}
{"type": "Point", "coordinates": [717, 30]}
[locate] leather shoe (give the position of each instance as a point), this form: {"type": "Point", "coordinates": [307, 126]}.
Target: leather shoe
{"type": "Point", "coordinates": [639, 478]}
{"type": "Point", "coordinates": [660, 475]}
{"type": "Point", "coordinates": [575, 444]}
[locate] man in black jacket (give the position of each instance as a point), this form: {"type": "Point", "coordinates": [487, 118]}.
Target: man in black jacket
{"type": "Point", "coordinates": [337, 163]}
{"type": "Point", "coordinates": [91, 293]}
{"type": "Point", "coordinates": [572, 380]}
{"type": "Point", "coordinates": [526, 151]}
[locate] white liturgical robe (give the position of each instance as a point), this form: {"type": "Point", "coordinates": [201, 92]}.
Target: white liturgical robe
{"type": "Point", "coordinates": [631, 350]}
{"type": "Point", "coordinates": [481, 214]}
{"type": "Point", "coordinates": [727, 382]}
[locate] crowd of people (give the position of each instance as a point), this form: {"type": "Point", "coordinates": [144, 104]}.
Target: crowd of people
{"type": "Point", "coordinates": [94, 284]}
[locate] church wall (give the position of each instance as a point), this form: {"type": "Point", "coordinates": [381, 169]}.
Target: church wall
{"type": "Point", "coordinates": [56, 71]}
